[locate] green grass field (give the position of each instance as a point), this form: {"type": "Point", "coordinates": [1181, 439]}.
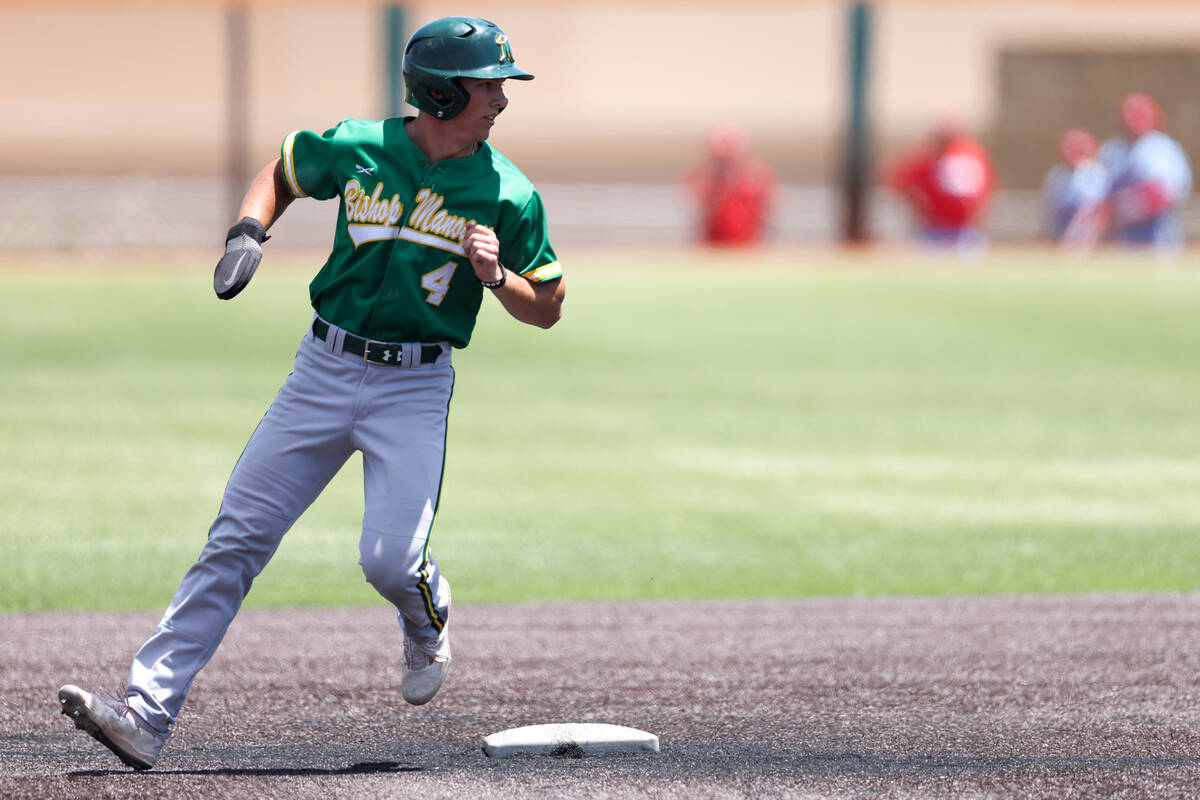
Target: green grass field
{"type": "Point", "coordinates": [779, 425]}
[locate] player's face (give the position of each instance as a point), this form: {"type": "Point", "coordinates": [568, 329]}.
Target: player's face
{"type": "Point", "coordinates": [487, 101]}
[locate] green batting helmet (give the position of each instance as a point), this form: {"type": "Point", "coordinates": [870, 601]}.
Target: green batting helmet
{"type": "Point", "coordinates": [442, 51]}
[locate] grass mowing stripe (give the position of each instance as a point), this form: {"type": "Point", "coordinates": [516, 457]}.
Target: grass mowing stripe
{"type": "Point", "coordinates": [694, 427]}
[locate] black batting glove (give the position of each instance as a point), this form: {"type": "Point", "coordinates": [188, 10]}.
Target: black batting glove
{"type": "Point", "coordinates": [243, 252]}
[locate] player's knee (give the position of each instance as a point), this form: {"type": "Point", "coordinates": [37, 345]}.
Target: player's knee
{"type": "Point", "coordinates": [391, 564]}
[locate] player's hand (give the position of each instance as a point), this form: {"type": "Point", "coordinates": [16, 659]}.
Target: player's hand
{"type": "Point", "coordinates": [243, 252]}
{"type": "Point", "coordinates": [1140, 202]}
{"type": "Point", "coordinates": [483, 248]}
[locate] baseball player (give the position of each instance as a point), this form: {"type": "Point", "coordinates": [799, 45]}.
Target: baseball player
{"type": "Point", "coordinates": [1149, 177]}
{"type": "Point", "coordinates": [732, 191]}
{"type": "Point", "coordinates": [431, 218]}
{"type": "Point", "coordinates": [948, 183]}
{"type": "Point", "coordinates": [1074, 191]}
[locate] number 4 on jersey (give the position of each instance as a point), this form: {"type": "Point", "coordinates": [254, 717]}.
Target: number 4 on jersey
{"type": "Point", "coordinates": [437, 283]}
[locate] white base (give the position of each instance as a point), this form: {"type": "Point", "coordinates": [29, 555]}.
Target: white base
{"type": "Point", "coordinates": [569, 739]}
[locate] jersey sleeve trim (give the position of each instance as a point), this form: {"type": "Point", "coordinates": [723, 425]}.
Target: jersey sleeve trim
{"type": "Point", "coordinates": [289, 165]}
{"type": "Point", "coordinates": [546, 272]}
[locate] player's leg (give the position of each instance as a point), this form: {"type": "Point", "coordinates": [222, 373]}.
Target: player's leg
{"type": "Point", "coordinates": [1165, 233]}
{"type": "Point", "coordinates": [297, 448]}
{"type": "Point", "coordinates": [403, 442]}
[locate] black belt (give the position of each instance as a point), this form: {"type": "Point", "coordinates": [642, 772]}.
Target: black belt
{"type": "Point", "coordinates": [390, 354]}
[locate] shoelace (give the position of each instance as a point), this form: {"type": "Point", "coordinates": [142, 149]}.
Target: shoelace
{"type": "Point", "coordinates": [119, 703]}
{"type": "Point", "coordinates": [114, 700]}
{"type": "Point", "coordinates": [419, 655]}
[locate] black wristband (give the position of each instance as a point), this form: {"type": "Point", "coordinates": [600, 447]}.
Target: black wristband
{"type": "Point", "coordinates": [499, 283]}
{"type": "Point", "coordinates": [248, 226]}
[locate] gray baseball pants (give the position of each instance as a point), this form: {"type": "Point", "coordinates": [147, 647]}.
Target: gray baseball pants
{"type": "Point", "coordinates": [332, 404]}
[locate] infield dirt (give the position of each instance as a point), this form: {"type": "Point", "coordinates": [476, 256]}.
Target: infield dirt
{"type": "Point", "coordinates": [1047, 696]}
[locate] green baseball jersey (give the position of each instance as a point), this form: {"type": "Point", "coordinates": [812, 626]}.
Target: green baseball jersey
{"type": "Point", "coordinates": [398, 271]}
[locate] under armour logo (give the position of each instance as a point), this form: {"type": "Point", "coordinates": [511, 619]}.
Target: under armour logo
{"type": "Point", "coordinates": [387, 355]}
{"type": "Point", "coordinates": [359, 169]}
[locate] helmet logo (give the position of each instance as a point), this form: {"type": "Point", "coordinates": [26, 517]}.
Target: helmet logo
{"type": "Point", "coordinates": [505, 48]}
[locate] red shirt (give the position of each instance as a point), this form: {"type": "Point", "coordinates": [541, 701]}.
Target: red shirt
{"type": "Point", "coordinates": [950, 188]}
{"type": "Point", "coordinates": [734, 201]}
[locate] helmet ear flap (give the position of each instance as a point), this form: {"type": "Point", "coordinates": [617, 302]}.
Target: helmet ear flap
{"type": "Point", "coordinates": [423, 92]}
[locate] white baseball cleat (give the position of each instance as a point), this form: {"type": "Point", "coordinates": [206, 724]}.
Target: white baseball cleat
{"type": "Point", "coordinates": [425, 665]}
{"type": "Point", "coordinates": [114, 724]}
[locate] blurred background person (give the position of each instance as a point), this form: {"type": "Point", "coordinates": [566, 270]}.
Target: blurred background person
{"type": "Point", "coordinates": [1149, 177]}
{"type": "Point", "coordinates": [1074, 192]}
{"type": "Point", "coordinates": [733, 192]}
{"type": "Point", "coordinates": [948, 182]}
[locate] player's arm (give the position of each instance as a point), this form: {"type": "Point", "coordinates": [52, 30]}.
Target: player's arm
{"type": "Point", "coordinates": [265, 201]}
{"type": "Point", "coordinates": [1139, 202]}
{"type": "Point", "coordinates": [537, 304]}
{"type": "Point", "coordinates": [268, 196]}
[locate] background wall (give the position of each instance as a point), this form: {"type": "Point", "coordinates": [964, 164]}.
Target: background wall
{"type": "Point", "coordinates": [625, 92]}
{"type": "Point", "coordinates": [1044, 90]}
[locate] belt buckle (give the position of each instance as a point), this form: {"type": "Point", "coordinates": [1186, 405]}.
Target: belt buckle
{"type": "Point", "coordinates": [393, 354]}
